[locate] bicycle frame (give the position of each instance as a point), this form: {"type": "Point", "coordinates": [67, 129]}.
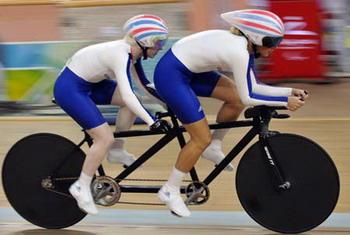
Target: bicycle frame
{"type": "Point", "coordinates": [258, 127]}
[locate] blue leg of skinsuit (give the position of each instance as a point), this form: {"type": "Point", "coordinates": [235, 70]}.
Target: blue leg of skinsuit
{"type": "Point", "coordinates": [78, 98]}
{"type": "Point", "coordinates": [179, 87]}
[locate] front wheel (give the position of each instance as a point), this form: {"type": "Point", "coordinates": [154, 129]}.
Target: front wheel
{"type": "Point", "coordinates": [27, 174]}
{"type": "Point", "coordinates": [313, 178]}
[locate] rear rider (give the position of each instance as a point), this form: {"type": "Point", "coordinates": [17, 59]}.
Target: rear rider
{"type": "Point", "coordinates": [101, 74]}
{"type": "Point", "coordinates": [189, 69]}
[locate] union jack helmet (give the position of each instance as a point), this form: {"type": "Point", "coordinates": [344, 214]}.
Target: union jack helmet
{"type": "Point", "coordinates": [148, 30]}
{"type": "Point", "coordinates": [262, 28]}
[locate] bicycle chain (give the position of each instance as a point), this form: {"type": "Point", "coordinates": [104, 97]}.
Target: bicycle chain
{"type": "Point", "coordinates": [141, 203]}
{"type": "Point", "coordinates": [59, 193]}
{"type": "Point", "coordinates": [142, 180]}
{"type": "Point", "coordinates": [119, 202]}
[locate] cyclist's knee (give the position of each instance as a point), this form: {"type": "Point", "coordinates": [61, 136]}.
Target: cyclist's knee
{"type": "Point", "coordinates": [108, 140]}
{"type": "Point", "coordinates": [202, 141]}
{"type": "Point", "coordinates": [125, 111]}
{"type": "Point", "coordinates": [237, 105]}
{"type": "Point", "coordinates": [234, 103]}
{"type": "Point", "coordinates": [103, 138]}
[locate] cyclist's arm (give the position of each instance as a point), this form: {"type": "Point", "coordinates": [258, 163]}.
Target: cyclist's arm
{"type": "Point", "coordinates": [123, 77]}
{"type": "Point", "coordinates": [145, 85]}
{"type": "Point", "coordinates": [263, 89]}
{"type": "Point", "coordinates": [251, 92]}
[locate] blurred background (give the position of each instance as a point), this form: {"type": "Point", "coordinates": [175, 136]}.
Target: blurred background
{"type": "Point", "coordinates": [38, 36]}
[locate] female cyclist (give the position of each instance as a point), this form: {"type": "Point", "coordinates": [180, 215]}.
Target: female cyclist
{"type": "Point", "coordinates": [101, 74]}
{"type": "Point", "coordinates": [187, 70]}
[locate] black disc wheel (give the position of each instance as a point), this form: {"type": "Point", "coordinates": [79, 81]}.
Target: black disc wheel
{"type": "Point", "coordinates": [312, 190]}
{"type": "Point", "coordinates": [29, 172]}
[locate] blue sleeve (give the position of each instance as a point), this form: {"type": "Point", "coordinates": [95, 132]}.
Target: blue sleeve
{"type": "Point", "coordinates": [141, 73]}
{"type": "Point", "coordinates": [143, 79]}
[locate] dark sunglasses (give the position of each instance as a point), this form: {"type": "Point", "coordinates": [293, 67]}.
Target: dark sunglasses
{"type": "Point", "coordinates": [271, 41]}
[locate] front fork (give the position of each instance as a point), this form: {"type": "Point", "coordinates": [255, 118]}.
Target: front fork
{"type": "Point", "coordinates": [269, 155]}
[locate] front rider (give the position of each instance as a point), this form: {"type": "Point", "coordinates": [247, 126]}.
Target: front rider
{"type": "Point", "coordinates": [187, 70]}
{"type": "Point", "coordinates": [101, 74]}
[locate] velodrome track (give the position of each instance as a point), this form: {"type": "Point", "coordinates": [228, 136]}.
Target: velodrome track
{"type": "Point", "coordinates": [325, 119]}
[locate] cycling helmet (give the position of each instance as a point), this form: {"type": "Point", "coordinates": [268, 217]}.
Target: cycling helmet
{"type": "Point", "coordinates": [262, 28]}
{"type": "Point", "coordinates": [147, 30]}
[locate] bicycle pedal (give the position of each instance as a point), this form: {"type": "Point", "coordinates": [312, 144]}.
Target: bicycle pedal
{"type": "Point", "coordinates": [197, 193]}
{"type": "Point", "coordinates": [194, 196]}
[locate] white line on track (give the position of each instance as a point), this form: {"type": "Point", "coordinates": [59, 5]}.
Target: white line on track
{"type": "Point", "coordinates": [164, 218]}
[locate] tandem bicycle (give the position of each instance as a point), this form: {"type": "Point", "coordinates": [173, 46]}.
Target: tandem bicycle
{"type": "Point", "coordinates": [285, 182]}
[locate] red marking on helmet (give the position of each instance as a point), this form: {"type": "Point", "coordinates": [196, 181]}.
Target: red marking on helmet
{"type": "Point", "coordinates": [267, 13]}
{"type": "Point", "coordinates": [145, 29]}
{"type": "Point", "coordinates": [248, 23]}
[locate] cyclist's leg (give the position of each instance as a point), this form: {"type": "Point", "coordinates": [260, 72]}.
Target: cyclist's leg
{"type": "Point", "coordinates": [221, 87]}
{"type": "Point", "coordinates": [103, 93]}
{"type": "Point", "coordinates": [170, 192]}
{"type": "Point", "coordinates": [230, 110]}
{"type": "Point", "coordinates": [183, 101]}
{"type": "Point", "coordinates": [80, 106]}
{"type": "Point", "coordinates": [124, 121]}
{"type": "Point", "coordinates": [126, 117]}
{"type": "Point", "coordinates": [200, 138]}
{"type": "Point", "coordinates": [102, 139]}
{"type": "Point", "coordinates": [107, 92]}
{"type": "Point", "coordinates": [232, 107]}
{"type": "Point", "coordinates": [216, 85]}
{"type": "Point", "coordinates": [172, 84]}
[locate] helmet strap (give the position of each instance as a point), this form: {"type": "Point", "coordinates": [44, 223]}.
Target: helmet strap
{"type": "Point", "coordinates": [255, 50]}
{"type": "Point", "coordinates": [254, 47]}
{"type": "Point", "coordinates": [144, 50]}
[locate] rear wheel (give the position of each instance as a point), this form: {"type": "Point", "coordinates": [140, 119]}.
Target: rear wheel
{"type": "Point", "coordinates": [30, 185]}
{"type": "Point", "coordinates": [306, 166]}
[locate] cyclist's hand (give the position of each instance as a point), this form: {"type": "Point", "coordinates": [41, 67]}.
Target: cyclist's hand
{"type": "Point", "coordinates": [160, 125]}
{"type": "Point", "coordinates": [294, 103]}
{"type": "Point", "coordinates": [303, 94]}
